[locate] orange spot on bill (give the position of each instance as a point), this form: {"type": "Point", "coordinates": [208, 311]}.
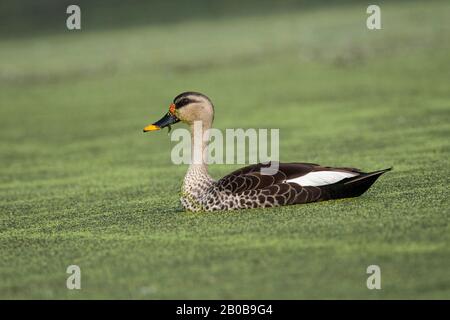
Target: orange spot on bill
{"type": "Point", "coordinates": [172, 108]}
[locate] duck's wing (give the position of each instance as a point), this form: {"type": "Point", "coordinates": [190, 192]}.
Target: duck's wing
{"type": "Point", "coordinates": [303, 174]}
{"type": "Point", "coordinates": [298, 182]}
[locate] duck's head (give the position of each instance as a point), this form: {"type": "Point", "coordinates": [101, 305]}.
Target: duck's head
{"type": "Point", "coordinates": [187, 107]}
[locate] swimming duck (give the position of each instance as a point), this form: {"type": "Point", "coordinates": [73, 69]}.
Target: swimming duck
{"type": "Point", "coordinates": [249, 187]}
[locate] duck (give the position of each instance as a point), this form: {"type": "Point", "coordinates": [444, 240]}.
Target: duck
{"type": "Point", "coordinates": [250, 187]}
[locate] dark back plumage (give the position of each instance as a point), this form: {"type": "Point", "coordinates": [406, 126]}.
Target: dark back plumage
{"type": "Point", "coordinates": [277, 190]}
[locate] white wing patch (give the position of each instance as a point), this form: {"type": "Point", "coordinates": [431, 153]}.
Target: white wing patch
{"type": "Point", "coordinates": [321, 178]}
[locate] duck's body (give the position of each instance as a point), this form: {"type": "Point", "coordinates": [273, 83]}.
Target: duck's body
{"type": "Point", "coordinates": [294, 183]}
{"type": "Point", "coordinates": [250, 187]}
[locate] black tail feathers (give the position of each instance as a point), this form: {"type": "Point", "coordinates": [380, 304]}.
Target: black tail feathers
{"type": "Point", "coordinates": [353, 187]}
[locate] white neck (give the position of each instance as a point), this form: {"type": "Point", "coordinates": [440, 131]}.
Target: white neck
{"type": "Point", "coordinates": [198, 169]}
{"type": "Point", "coordinates": [199, 148]}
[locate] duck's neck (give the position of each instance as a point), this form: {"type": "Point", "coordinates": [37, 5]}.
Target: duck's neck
{"type": "Point", "coordinates": [197, 173]}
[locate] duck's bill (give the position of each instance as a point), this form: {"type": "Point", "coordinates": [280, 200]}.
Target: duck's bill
{"type": "Point", "coordinates": [165, 121]}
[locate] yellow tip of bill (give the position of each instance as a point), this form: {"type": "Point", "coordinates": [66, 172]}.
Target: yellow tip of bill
{"type": "Point", "coordinates": [151, 127]}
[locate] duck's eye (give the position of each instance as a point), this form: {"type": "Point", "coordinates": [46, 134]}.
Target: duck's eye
{"type": "Point", "coordinates": [183, 102]}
